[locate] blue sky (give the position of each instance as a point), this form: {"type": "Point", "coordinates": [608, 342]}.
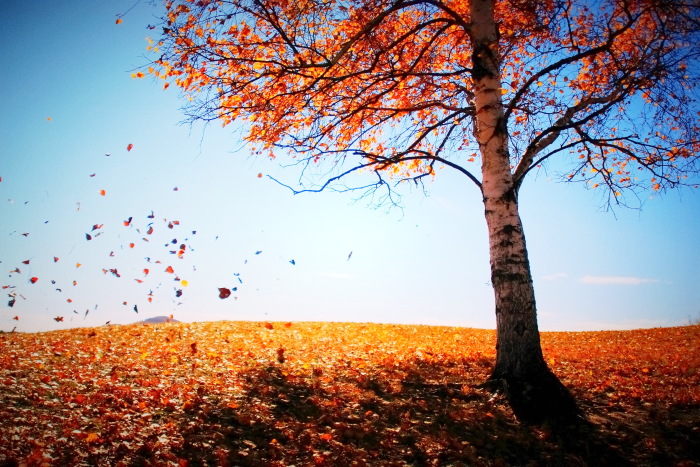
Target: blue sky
{"type": "Point", "coordinates": [69, 100]}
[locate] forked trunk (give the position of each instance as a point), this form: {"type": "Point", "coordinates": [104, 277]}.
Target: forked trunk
{"type": "Point", "coordinates": [534, 392]}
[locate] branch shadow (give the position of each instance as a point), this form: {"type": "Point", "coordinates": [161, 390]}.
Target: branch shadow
{"type": "Point", "coordinates": [283, 419]}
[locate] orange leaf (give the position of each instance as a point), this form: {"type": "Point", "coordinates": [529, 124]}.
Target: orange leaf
{"type": "Point", "coordinates": [118, 21]}
{"type": "Point", "coordinates": [169, 269]}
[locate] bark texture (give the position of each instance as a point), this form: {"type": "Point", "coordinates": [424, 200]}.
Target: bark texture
{"type": "Point", "coordinates": [534, 392]}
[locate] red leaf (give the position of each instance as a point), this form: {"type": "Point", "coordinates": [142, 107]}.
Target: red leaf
{"type": "Point", "coordinates": [129, 147]}
{"type": "Point", "coordinates": [58, 318]}
{"type": "Point", "coordinates": [33, 280]}
{"type": "Point", "coordinates": [25, 262]}
{"type": "Point", "coordinates": [224, 292]}
{"type": "Point", "coordinates": [169, 270]}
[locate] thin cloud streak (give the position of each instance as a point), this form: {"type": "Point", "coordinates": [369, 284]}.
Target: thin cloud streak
{"type": "Point", "coordinates": [616, 280]}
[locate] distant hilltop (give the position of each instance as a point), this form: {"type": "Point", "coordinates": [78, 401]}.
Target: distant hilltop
{"type": "Point", "coordinates": [159, 320]}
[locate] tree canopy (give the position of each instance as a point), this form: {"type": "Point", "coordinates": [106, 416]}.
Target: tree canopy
{"type": "Point", "coordinates": [389, 86]}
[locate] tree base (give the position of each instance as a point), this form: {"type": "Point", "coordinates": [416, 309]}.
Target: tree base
{"type": "Point", "coordinates": [538, 400]}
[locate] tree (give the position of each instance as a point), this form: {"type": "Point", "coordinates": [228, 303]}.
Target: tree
{"type": "Point", "coordinates": [397, 88]}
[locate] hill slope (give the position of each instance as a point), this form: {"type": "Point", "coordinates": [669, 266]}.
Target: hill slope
{"type": "Point", "coordinates": [243, 393]}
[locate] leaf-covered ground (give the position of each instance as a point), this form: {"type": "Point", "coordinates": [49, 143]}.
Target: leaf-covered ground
{"type": "Point", "coordinates": [243, 393]}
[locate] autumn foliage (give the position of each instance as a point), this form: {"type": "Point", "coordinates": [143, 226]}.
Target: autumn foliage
{"type": "Point", "coordinates": [243, 393]}
{"type": "Point", "coordinates": [609, 86]}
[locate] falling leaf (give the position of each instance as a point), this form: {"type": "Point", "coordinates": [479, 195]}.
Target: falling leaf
{"type": "Point", "coordinates": [103, 192]}
{"type": "Point", "coordinates": [88, 237]}
{"type": "Point", "coordinates": [260, 175]}
{"type": "Point", "coordinates": [127, 222]}
{"type": "Point", "coordinates": [184, 283]}
{"type": "Point", "coordinates": [118, 21]}
{"type": "Point", "coordinates": [55, 259]}
{"type": "Point", "coordinates": [77, 265]}
{"type": "Point", "coordinates": [224, 293]}
{"type": "Point", "coordinates": [33, 280]}
{"type": "Point", "coordinates": [132, 245]}
{"type": "Point", "coordinates": [129, 147]}
{"type": "Point", "coordinates": [136, 308]}
{"type": "Point", "coordinates": [25, 261]}
{"type": "Point", "coordinates": [169, 270]}
{"type": "Point", "coordinates": [58, 319]}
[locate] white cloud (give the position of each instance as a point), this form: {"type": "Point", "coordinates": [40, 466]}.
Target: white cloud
{"type": "Point", "coordinates": [616, 280]}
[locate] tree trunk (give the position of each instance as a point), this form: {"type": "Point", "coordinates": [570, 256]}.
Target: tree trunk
{"type": "Point", "coordinates": [533, 391]}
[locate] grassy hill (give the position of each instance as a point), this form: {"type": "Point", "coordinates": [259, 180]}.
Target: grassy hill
{"type": "Point", "coordinates": [244, 393]}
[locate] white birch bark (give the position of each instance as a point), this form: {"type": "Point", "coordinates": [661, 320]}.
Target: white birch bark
{"type": "Point", "coordinates": [519, 353]}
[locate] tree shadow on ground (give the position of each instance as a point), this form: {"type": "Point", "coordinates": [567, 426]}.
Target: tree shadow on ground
{"type": "Point", "coordinates": [280, 419]}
